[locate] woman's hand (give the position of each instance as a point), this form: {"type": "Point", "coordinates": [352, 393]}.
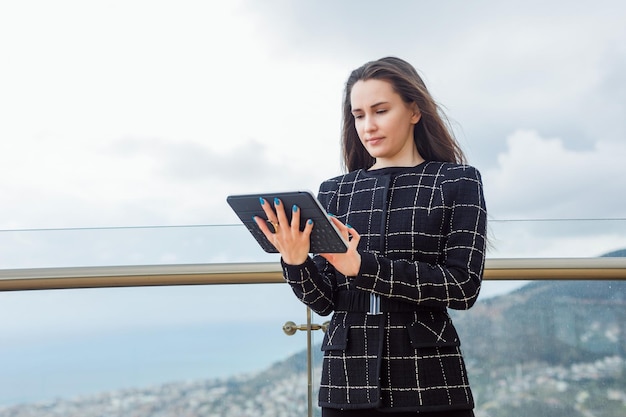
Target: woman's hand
{"type": "Point", "coordinates": [349, 262]}
{"type": "Point", "coordinates": [292, 243]}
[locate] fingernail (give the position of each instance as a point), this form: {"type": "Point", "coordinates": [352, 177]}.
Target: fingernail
{"type": "Point", "coordinates": [295, 208]}
{"type": "Point", "coordinates": [261, 200]}
{"type": "Point", "coordinates": [348, 226]}
{"type": "Point", "coordinates": [331, 214]}
{"type": "Point", "coordinates": [310, 221]}
{"type": "Point", "coordinates": [276, 202]}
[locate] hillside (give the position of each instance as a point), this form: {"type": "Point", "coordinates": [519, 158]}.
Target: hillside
{"type": "Point", "coordinates": [552, 349]}
{"type": "Point", "coordinates": [553, 322]}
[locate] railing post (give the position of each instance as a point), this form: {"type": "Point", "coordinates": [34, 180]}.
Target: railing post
{"type": "Point", "coordinates": [290, 328]}
{"type": "Point", "coordinates": [309, 363]}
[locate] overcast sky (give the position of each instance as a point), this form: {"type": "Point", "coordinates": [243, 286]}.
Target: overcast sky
{"type": "Point", "coordinates": [128, 113]}
{"type": "Point", "coordinates": [149, 113]}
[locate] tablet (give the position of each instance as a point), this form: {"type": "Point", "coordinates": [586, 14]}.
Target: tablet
{"type": "Point", "coordinates": [325, 237]}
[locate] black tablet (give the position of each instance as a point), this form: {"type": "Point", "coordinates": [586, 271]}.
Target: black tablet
{"type": "Point", "coordinates": [325, 237]}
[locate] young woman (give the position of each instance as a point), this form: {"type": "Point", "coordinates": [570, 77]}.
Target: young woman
{"type": "Point", "coordinates": [416, 221]}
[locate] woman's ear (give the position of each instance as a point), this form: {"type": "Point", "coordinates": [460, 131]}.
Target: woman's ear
{"type": "Point", "coordinates": [417, 114]}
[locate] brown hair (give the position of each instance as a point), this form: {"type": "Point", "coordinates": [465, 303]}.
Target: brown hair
{"type": "Point", "coordinates": [432, 136]}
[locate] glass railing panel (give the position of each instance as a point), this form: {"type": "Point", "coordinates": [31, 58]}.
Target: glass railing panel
{"type": "Point", "coordinates": [549, 348]}
{"type": "Point", "coordinates": [204, 244]}
{"type": "Point", "coordinates": [545, 349]}
{"type": "Point", "coordinates": [83, 321]}
{"type": "Point", "coordinates": [582, 238]}
{"type": "Point", "coordinates": [152, 351]}
{"type": "Point", "coordinates": [129, 246]}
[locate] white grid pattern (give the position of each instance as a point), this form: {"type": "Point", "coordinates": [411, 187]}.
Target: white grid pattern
{"type": "Point", "coordinates": [422, 242]}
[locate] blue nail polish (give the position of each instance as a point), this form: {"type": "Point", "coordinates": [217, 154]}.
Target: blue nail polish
{"type": "Point", "coordinates": [261, 200]}
{"type": "Point", "coordinates": [348, 226]}
{"type": "Point", "coordinates": [276, 202]}
{"type": "Point", "coordinates": [295, 208]}
{"type": "Point", "coordinates": [310, 221]}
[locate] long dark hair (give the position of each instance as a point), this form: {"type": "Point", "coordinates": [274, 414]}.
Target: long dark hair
{"type": "Point", "coordinates": [432, 135]}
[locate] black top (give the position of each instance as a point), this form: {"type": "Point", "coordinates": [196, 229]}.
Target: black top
{"type": "Point", "coordinates": [423, 246]}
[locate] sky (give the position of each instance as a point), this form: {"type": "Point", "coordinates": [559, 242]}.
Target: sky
{"type": "Point", "coordinates": [118, 114]}
{"type": "Point", "coordinates": [129, 113]}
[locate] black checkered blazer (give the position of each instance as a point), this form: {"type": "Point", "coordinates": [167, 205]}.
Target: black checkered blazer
{"type": "Point", "coordinates": [423, 250]}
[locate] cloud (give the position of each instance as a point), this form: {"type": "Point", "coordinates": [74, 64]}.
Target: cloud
{"type": "Point", "coordinates": [541, 178]}
{"type": "Point", "coordinates": [136, 113]}
{"type": "Point", "coordinates": [553, 67]}
{"type": "Point", "coordinates": [136, 182]}
{"type": "Point", "coordinates": [190, 88]}
{"type": "Point", "coordinates": [555, 238]}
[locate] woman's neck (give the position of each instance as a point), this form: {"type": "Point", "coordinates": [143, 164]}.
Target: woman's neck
{"type": "Point", "coordinates": [410, 161]}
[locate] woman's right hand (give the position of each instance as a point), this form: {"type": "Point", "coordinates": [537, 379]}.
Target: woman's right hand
{"type": "Point", "coordinates": [293, 244]}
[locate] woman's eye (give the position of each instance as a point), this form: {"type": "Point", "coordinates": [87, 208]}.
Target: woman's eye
{"type": "Point", "coordinates": [358, 116]}
{"type": "Point", "coordinates": [381, 111]}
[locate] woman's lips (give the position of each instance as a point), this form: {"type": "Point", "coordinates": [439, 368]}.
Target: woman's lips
{"type": "Point", "coordinates": [374, 141]}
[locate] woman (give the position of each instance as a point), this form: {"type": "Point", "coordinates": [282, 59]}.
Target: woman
{"type": "Point", "coordinates": [416, 221]}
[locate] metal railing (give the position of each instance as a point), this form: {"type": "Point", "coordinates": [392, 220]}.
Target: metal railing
{"type": "Point", "coordinates": [270, 272]}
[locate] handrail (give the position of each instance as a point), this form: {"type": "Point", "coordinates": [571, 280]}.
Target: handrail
{"type": "Point", "coordinates": [270, 272]}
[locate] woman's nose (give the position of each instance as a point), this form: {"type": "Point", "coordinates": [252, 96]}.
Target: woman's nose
{"type": "Point", "coordinates": [370, 125]}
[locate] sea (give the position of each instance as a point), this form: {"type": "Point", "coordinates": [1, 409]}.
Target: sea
{"type": "Point", "coordinates": [86, 363]}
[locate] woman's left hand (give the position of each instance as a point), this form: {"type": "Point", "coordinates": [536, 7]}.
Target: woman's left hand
{"type": "Point", "coordinates": [349, 262]}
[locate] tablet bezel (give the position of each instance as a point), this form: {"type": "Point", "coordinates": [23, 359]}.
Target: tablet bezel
{"type": "Point", "coordinates": [246, 206]}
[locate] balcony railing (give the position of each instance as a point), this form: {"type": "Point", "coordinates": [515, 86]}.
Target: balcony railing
{"type": "Point", "coordinates": [511, 383]}
{"type": "Point", "coordinates": [270, 272]}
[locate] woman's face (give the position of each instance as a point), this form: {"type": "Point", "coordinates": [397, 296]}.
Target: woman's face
{"type": "Point", "coordinates": [385, 123]}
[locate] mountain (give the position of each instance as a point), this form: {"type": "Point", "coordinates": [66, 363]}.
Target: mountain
{"type": "Point", "coordinates": [550, 349]}
{"type": "Point", "coordinates": [557, 322]}
{"type": "Point", "coordinates": [615, 254]}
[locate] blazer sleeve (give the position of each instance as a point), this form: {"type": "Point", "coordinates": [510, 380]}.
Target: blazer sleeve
{"type": "Point", "coordinates": [314, 282]}
{"type": "Point", "coordinates": [453, 283]}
